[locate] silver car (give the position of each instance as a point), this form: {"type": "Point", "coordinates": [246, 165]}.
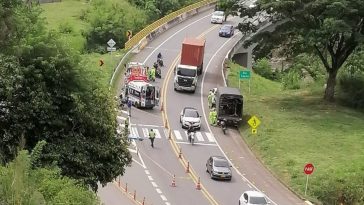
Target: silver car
{"type": "Point", "coordinates": [218, 168]}
{"type": "Point", "coordinates": [190, 117]}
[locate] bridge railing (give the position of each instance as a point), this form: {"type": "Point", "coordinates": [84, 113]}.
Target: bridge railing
{"type": "Point", "coordinates": [155, 25]}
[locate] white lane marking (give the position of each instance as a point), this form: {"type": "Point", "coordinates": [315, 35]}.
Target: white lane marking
{"type": "Point", "coordinates": [137, 162]}
{"type": "Point", "coordinates": [121, 118]}
{"type": "Point", "coordinates": [150, 178]}
{"type": "Point", "coordinates": [165, 133]}
{"type": "Point", "coordinates": [167, 203]}
{"type": "Point", "coordinates": [163, 198]}
{"type": "Point", "coordinates": [141, 160]}
{"type": "Point", "coordinates": [157, 134]}
{"type": "Point", "coordinates": [204, 113]}
{"type": "Point", "coordinates": [132, 150]}
{"type": "Point", "coordinates": [144, 125]}
{"type": "Point", "coordinates": [199, 136]}
{"type": "Point", "coordinates": [124, 111]}
{"type": "Point", "coordinates": [134, 131]}
{"type": "Point", "coordinates": [177, 134]}
{"type": "Point", "coordinates": [134, 144]}
{"type": "Point", "coordinates": [210, 137]}
{"type": "Point", "coordinates": [196, 143]}
{"type": "Point", "coordinates": [154, 184]}
{"type": "Point", "coordinates": [145, 132]}
{"type": "Point", "coordinates": [158, 190]}
{"type": "Point", "coordinates": [160, 45]}
{"type": "Point", "coordinates": [147, 172]}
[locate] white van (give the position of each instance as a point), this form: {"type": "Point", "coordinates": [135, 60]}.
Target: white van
{"type": "Point", "coordinates": [218, 17]}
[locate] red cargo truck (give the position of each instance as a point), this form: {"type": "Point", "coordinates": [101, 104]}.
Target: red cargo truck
{"type": "Point", "coordinates": [193, 53]}
{"type": "Point", "coordinates": [186, 73]}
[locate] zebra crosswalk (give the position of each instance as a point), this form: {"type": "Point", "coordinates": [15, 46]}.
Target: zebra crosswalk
{"type": "Point", "coordinates": [161, 133]}
{"type": "Point", "coordinates": [141, 131]}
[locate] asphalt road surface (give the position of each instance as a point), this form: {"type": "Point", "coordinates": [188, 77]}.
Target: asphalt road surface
{"type": "Point", "coordinates": [152, 171]}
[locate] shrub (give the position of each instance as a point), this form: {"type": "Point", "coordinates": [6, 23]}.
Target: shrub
{"type": "Point", "coordinates": [263, 68]}
{"type": "Point", "coordinates": [351, 88]}
{"type": "Point", "coordinates": [65, 27]}
{"type": "Point", "coordinates": [292, 79]}
{"type": "Point", "coordinates": [345, 190]}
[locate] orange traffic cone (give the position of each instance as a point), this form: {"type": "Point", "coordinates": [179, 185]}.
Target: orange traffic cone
{"type": "Point", "coordinates": [198, 186]}
{"type": "Point", "coordinates": [174, 181]}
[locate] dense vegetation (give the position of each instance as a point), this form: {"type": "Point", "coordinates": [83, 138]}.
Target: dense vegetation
{"type": "Point", "coordinates": [48, 93]}
{"type": "Point", "coordinates": [312, 27]}
{"type": "Point", "coordinates": [299, 127]}
{"type": "Point", "coordinates": [45, 94]}
{"type": "Point", "coordinates": [318, 44]}
{"type": "Point", "coordinates": [22, 182]}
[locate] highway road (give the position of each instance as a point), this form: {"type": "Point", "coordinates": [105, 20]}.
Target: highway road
{"type": "Point", "coordinates": [152, 170]}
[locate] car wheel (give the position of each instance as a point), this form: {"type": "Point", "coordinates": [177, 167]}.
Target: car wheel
{"type": "Point", "coordinates": [239, 202]}
{"type": "Point", "coordinates": [211, 176]}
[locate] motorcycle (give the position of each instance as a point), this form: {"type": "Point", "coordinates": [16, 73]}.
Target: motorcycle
{"type": "Point", "coordinates": [223, 125]}
{"type": "Point", "coordinates": [191, 137]}
{"type": "Point", "coordinates": [160, 62]}
{"type": "Point", "coordinates": [158, 73]}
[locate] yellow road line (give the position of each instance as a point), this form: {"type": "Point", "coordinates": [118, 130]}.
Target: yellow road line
{"type": "Point", "coordinates": [174, 145]}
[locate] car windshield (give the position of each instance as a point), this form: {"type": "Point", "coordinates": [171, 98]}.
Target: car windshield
{"type": "Point", "coordinates": [186, 72]}
{"type": "Point", "coordinates": [191, 113]}
{"type": "Point", "coordinates": [218, 13]}
{"type": "Point", "coordinates": [221, 163]}
{"type": "Point", "coordinates": [225, 29]}
{"type": "Point", "coordinates": [258, 200]}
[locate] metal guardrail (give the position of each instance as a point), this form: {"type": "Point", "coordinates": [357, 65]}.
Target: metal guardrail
{"type": "Point", "coordinates": [147, 30]}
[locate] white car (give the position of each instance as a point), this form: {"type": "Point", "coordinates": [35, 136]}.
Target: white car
{"type": "Point", "coordinates": [253, 198]}
{"type": "Point", "coordinates": [190, 116]}
{"type": "Point", "coordinates": [218, 17]}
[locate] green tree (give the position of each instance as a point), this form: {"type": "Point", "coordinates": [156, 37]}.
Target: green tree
{"type": "Point", "coordinates": [229, 7]}
{"type": "Point", "coordinates": [112, 19]}
{"type": "Point", "coordinates": [45, 94]}
{"type": "Point", "coordinates": [331, 28]}
{"type": "Point", "coordinates": [20, 184]}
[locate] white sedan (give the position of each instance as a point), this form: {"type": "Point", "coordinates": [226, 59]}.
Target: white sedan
{"type": "Point", "coordinates": [253, 198]}
{"type": "Point", "coordinates": [190, 117]}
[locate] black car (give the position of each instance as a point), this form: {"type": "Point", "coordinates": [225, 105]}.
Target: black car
{"type": "Point", "coordinates": [218, 168]}
{"type": "Point", "coordinates": [226, 31]}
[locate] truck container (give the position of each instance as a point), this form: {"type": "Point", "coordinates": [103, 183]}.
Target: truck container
{"type": "Point", "coordinates": [193, 53]}
{"type": "Point", "coordinates": [229, 105]}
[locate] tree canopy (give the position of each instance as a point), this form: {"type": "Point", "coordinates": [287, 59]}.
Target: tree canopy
{"type": "Point", "coordinates": [45, 94]}
{"type": "Point", "coordinates": [333, 29]}
{"type": "Point", "coordinates": [21, 184]}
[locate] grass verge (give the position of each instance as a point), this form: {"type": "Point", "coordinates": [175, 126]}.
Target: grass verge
{"type": "Point", "coordinates": [298, 127]}
{"type": "Point", "coordinates": [66, 14]}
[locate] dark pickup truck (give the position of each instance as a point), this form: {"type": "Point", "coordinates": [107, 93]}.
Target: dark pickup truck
{"type": "Point", "coordinates": [229, 105]}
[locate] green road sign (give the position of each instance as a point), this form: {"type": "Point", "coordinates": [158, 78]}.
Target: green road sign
{"type": "Point", "coordinates": [244, 74]}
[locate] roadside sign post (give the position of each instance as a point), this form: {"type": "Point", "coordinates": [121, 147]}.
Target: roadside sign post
{"type": "Point", "coordinates": [254, 123]}
{"type": "Point", "coordinates": [245, 74]}
{"type": "Point", "coordinates": [308, 169]}
{"type": "Point", "coordinates": [111, 48]}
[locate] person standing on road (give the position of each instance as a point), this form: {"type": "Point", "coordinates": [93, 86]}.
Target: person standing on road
{"type": "Point", "coordinates": [213, 117]}
{"type": "Point", "coordinates": [129, 107]}
{"type": "Point", "coordinates": [209, 99]}
{"type": "Point", "coordinates": [152, 137]}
